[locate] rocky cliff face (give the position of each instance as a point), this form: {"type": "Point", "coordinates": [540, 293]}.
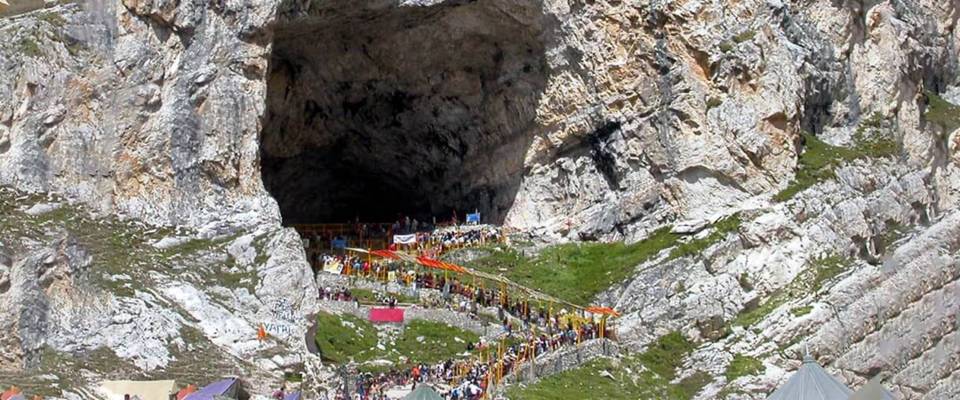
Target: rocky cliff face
{"type": "Point", "coordinates": [573, 119]}
{"type": "Point", "coordinates": [609, 117]}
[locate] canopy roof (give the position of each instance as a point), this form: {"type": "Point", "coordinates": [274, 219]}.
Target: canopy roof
{"type": "Point", "coordinates": [872, 390]}
{"type": "Point", "coordinates": [146, 390]}
{"type": "Point", "coordinates": [811, 382]}
{"type": "Point", "coordinates": [225, 388]}
{"type": "Point", "coordinates": [423, 392]}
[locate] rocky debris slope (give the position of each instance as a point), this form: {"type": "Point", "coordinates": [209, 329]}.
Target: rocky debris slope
{"type": "Point", "coordinates": [860, 271]}
{"type": "Point", "coordinates": [121, 300]}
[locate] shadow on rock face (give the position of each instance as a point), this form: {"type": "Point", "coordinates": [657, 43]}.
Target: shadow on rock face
{"type": "Point", "coordinates": [379, 110]}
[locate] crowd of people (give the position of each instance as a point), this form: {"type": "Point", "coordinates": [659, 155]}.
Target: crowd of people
{"type": "Point", "coordinates": [425, 240]}
{"type": "Point", "coordinates": [540, 330]}
{"type": "Point", "coordinates": [466, 379]}
{"type": "Point", "coordinates": [529, 329]}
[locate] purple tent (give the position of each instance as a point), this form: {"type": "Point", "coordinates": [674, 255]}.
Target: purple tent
{"type": "Point", "coordinates": [226, 387]}
{"type": "Point", "coordinates": [292, 396]}
{"type": "Point", "coordinates": [17, 397]}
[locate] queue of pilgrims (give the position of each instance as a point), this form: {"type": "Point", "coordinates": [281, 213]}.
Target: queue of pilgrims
{"type": "Point", "coordinates": [431, 243]}
{"type": "Point", "coordinates": [464, 379]}
{"type": "Point", "coordinates": [468, 380]}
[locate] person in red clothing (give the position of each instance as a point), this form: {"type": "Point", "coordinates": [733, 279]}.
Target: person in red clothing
{"type": "Point", "coordinates": [416, 375]}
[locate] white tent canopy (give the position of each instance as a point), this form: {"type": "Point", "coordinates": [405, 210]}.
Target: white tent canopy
{"type": "Point", "coordinates": [811, 382]}
{"type": "Point", "coordinates": [146, 390]}
{"type": "Point", "coordinates": [873, 390]}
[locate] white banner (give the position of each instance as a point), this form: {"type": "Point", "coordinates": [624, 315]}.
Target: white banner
{"type": "Point", "coordinates": [405, 239]}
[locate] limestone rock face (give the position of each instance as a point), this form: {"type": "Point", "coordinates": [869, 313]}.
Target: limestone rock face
{"type": "Point", "coordinates": [573, 120]}
{"type": "Point", "coordinates": [548, 115]}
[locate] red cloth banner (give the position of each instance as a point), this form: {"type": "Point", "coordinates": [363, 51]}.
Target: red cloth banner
{"type": "Point", "coordinates": [386, 315]}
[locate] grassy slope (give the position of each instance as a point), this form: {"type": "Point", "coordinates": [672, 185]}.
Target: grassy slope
{"type": "Point", "coordinates": [439, 341]}
{"type": "Point", "coordinates": [342, 338]}
{"type": "Point", "coordinates": [115, 247]}
{"type": "Point", "coordinates": [809, 281]}
{"type": "Point", "coordinates": [942, 112]}
{"type": "Point", "coordinates": [575, 272]}
{"type": "Point", "coordinates": [819, 160]}
{"type": "Point", "coordinates": [720, 231]}
{"type": "Point", "coordinates": [346, 338]}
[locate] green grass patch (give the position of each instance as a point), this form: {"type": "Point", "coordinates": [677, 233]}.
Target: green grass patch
{"type": "Point", "coordinates": [242, 279]}
{"type": "Point", "coordinates": [745, 283]}
{"type": "Point", "coordinates": [942, 112]}
{"type": "Point", "coordinates": [53, 18]}
{"type": "Point", "coordinates": [431, 342]}
{"type": "Point", "coordinates": [666, 354]}
{"type": "Point", "coordinates": [726, 47]}
{"type": "Point", "coordinates": [809, 281]}
{"type": "Point", "coordinates": [194, 246]}
{"type": "Point", "coordinates": [345, 338]}
{"type": "Point", "coordinates": [293, 377]}
{"type": "Point", "coordinates": [29, 47]}
{"type": "Point", "coordinates": [819, 160]}
{"type": "Point", "coordinates": [742, 365]}
{"type": "Point", "coordinates": [575, 272]}
{"type": "Point", "coordinates": [744, 36]}
{"type": "Point", "coordinates": [644, 376]}
{"type": "Point", "coordinates": [893, 232]}
{"type": "Point", "coordinates": [801, 311]}
{"type": "Point", "coordinates": [713, 102]}
{"type": "Point", "coordinates": [368, 296]}
{"type": "Point", "coordinates": [828, 268]}
{"type": "Point", "coordinates": [697, 246]}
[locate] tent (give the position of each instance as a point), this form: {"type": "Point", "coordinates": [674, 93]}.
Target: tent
{"type": "Point", "coordinates": [146, 390]}
{"type": "Point", "coordinates": [183, 393]}
{"type": "Point", "coordinates": [423, 392]}
{"type": "Point", "coordinates": [811, 382]}
{"type": "Point", "coordinates": [7, 394]}
{"type": "Point", "coordinates": [292, 396]}
{"type": "Point", "coordinates": [229, 388]}
{"type": "Point", "coordinates": [873, 390]}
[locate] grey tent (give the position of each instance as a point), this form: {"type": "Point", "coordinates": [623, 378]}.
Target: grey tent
{"type": "Point", "coordinates": [423, 392]}
{"type": "Point", "coordinates": [811, 382]}
{"type": "Point", "coordinates": [872, 390]}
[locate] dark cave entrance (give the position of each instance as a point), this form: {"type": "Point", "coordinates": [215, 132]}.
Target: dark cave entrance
{"type": "Point", "coordinates": [378, 111]}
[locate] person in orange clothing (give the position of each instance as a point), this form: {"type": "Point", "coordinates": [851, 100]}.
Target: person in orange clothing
{"type": "Point", "coordinates": [261, 333]}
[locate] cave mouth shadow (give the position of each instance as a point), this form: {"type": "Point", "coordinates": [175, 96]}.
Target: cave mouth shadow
{"type": "Point", "coordinates": [415, 110]}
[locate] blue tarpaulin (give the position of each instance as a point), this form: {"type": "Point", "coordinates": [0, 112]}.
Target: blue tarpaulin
{"type": "Point", "coordinates": [475, 217]}
{"type": "Point", "coordinates": [338, 243]}
{"type": "Point", "coordinates": [226, 388]}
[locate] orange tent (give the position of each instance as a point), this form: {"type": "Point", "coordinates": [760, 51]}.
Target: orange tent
{"type": "Point", "coordinates": [183, 393]}
{"type": "Point", "coordinates": [602, 310]}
